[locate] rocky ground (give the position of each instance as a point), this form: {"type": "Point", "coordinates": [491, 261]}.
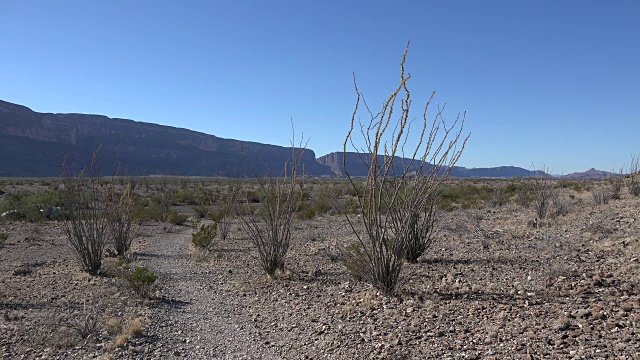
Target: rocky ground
{"type": "Point", "coordinates": [493, 286]}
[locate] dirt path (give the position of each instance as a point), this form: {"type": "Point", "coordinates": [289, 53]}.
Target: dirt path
{"type": "Point", "coordinates": [194, 318]}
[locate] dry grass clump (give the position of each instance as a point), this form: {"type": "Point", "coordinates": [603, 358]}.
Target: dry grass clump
{"type": "Point", "coordinates": [133, 328]}
{"type": "Point", "coordinates": [113, 326]}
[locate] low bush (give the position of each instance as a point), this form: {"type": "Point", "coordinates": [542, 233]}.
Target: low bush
{"type": "Point", "coordinates": [142, 280]}
{"type": "Point", "coordinates": [201, 211]}
{"type": "Point", "coordinates": [147, 213]}
{"type": "Point", "coordinates": [561, 206]}
{"type": "Point", "coordinates": [203, 238]}
{"type": "Point", "coordinates": [188, 196]}
{"type": "Point", "coordinates": [176, 218]}
{"type": "Point", "coordinates": [498, 196]}
{"type": "Point", "coordinates": [523, 195]}
{"type": "Point", "coordinates": [306, 213]}
{"type": "Point", "coordinates": [464, 195]}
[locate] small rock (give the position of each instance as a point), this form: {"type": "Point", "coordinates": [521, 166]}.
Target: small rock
{"type": "Point", "coordinates": [562, 324]}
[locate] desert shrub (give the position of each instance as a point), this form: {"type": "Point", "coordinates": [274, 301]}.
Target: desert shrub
{"type": "Point", "coordinates": [357, 190]}
{"type": "Point", "coordinates": [270, 226]}
{"type": "Point", "coordinates": [615, 184]}
{"type": "Point", "coordinates": [498, 196]}
{"type": "Point", "coordinates": [421, 228]}
{"type": "Point", "coordinates": [221, 217]}
{"type": "Point", "coordinates": [142, 281]}
{"type": "Point", "coordinates": [176, 218]}
{"type": "Point", "coordinates": [395, 193]}
{"type": "Point", "coordinates": [3, 238]}
{"type": "Point", "coordinates": [188, 196]}
{"type": "Point", "coordinates": [306, 212]}
{"type": "Point", "coordinates": [156, 209]}
{"type": "Point", "coordinates": [320, 202]}
{"type": "Point", "coordinates": [201, 211]}
{"type": "Point", "coordinates": [253, 197]}
{"type": "Point", "coordinates": [543, 195]}
{"type": "Point", "coordinates": [462, 194]}
{"type": "Point", "coordinates": [86, 322]}
{"type": "Point", "coordinates": [355, 259]}
{"type": "Point", "coordinates": [323, 204]}
{"type": "Point", "coordinates": [633, 179]}
{"type": "Point", "coordinates": [561, 206]}
{"type": "Point", "coordinates": [203, 238]}
{"type": "Point", "coordinates": [88, 228]}
{"type": "Point", "coordinates": [523, 195]}
{"type": "Point", "coordinates": [147, 213]}
{"type": "Point", "coordinates": [120, 212]}
{"type": "Point", "coordinates": [224, 227]}
{"type": "Point", "coordinates": [348, 206]}
{"type": "Point", "coordinates": [600, 195]}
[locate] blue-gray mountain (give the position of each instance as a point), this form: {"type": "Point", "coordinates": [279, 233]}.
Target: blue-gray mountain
{"type": "Point", "coordinates": [35, 144]}
{"type": "Point", "coordinates": [358, 165]}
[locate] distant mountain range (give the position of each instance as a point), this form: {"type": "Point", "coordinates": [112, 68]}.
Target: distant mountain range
{"type": "Point", "coordinates": [35, 144]}
{"type": "Point", "coordinates": [358, 166]}
{"type": "Point", "coordinates": [590, 174]}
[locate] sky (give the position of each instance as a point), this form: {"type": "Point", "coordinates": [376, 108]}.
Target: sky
{"type": "Point", "coordinates": [553, 84]}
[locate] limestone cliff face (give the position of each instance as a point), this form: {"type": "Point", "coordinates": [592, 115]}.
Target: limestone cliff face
{"type": "Point", "coordinates": [35, 144]}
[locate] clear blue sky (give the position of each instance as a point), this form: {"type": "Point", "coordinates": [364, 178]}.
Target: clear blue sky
{"type": "Point", "coordinates": [554, 83]}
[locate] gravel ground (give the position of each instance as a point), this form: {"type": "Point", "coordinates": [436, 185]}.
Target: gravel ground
{"type": "Point", "coordinates": [192, 317]}
{"type": "Point", "coordinates": [492, 287]}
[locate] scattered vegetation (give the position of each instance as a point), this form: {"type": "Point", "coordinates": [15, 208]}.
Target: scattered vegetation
{"type": "Point", "coordinates": [31, 206]}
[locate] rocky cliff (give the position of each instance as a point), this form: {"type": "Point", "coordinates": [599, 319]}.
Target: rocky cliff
{"type": "Point", "coordinates": [35, 144]}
